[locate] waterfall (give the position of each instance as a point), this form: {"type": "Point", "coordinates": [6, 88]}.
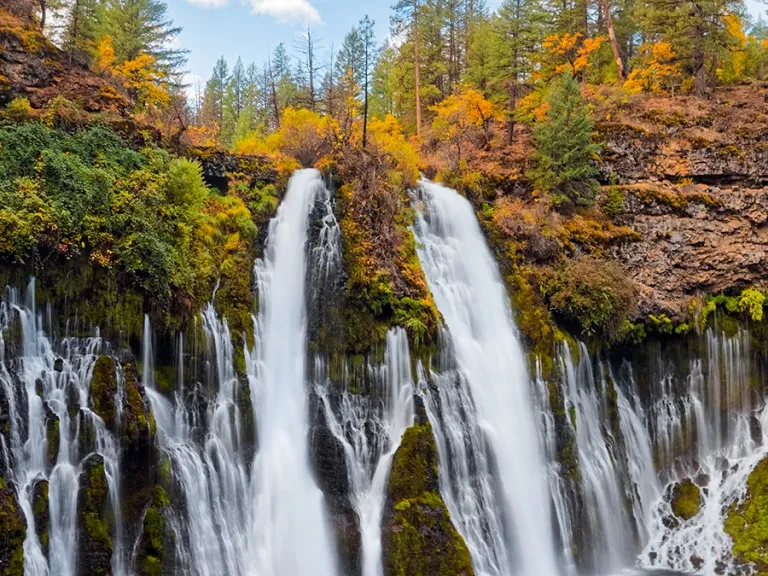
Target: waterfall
{"type": "Point", "coordinates": [468, 290]}
{"type": "Point", "coordinates": [289, 528]}
{"type": "Point", "coordinates": [54, 384]}
{"type": "Point", "coordinates": [370, 427]}
{"type": "Point", "coordinates": [211, 470]}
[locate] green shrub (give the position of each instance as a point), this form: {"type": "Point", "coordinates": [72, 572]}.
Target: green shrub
{"type": "Point", "coordinates": [18, 110]}
{"type": "Point", "coordinates": [597, 295]}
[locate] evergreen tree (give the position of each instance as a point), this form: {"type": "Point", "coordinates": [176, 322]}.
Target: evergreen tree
{"type": "Point", "coordinates": [233, 101]}
{"type": "Point", "coordinates": [563, 160]}
{"type": "Point", "coordinates": [213, 97]}
{"type": "Point", "coordinates": [138, 26]}
{"type": "Point", "coordinates": [695, 28]}
{"type": "Point", "coordinates": [369, 58]}
{"type": "Point", "coordinates": [351, 56]}
{"type": "Point", "coordinates": [406, 20]}
{"type": "Point", "coordinates": [79, 29]}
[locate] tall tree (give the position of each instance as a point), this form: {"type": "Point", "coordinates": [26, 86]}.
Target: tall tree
{"type": "Point", "coordinates": [79, 28]}
{"type": "Point", "coordinates": [406, 19]}
{"type": "Point", "coordinates": [213, 98]}
{"type": "Point", "coordinates": [233, 101]}
{"type": "Point", "coordinates": [369, 59]}
{"type": "Point", "coordinates": [351, 56]}
{"type": "Point", "coordinates": [307, 46]}
{"type": "Point", "coordinates": [520, 29]}
{"type": "Point", "coordinates": [138, 26]}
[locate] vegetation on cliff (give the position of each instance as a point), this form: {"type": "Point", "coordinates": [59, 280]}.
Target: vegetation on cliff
{"type": "Point", "coordinates": [747, 521]}
{"type": "Point", "coordinates": [419, 536]}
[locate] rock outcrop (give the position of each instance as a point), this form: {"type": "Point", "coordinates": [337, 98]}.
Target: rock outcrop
{"type": "Point", "coordinates": [12, 532]}
{"type": "Point", "coordinates": [94, 546]}
{"type": "Point", "coordinates": [418, 536]}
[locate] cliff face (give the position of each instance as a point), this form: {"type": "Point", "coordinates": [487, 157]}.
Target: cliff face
{"type": "Point", "coordinates": [694, 179]}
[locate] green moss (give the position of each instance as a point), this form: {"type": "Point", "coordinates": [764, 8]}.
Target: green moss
{"type": "Point", "coordinates": [12, 533]}
{"type": "Point", "coordinates": [104, 390]}
{"type": "Point", "coordinates": [164, 379]}
{"type": "Point", "coordinates": [421, 538]}
{"type": "Point", "coordinates": [686, 499]}
{"type": "Point", "coordinates": [53, 436]}
{"type": "Point", "coordinates": [93, 516]}
{"type": "Point", "coordinates": [153, 535]}
{"type": "Point", "coordinates": [747, 521]}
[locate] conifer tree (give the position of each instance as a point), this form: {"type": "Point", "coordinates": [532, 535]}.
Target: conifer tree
{"type": "Point", "coordinates": [369, 59]}
{"type": "Point", "coordinates": [563, 160]}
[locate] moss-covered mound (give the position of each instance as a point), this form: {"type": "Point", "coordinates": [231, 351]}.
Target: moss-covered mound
{"type": "Point", "coordinates": [42, 514]}
{"type": "Point", "coordinates": [94, 546]}
{"type": "Point", "coordinates": [13, 531]}
{"type": "Point", "coordinates": [104, 389]}
{"type": "Point", "coordinates": [152, 552]}
{"type": "Point", "coordinates": [686, 499]}
{"type": "Point", "coordinates": [747, 522]}
{"type": "Point", "coordinates": [419, 538]}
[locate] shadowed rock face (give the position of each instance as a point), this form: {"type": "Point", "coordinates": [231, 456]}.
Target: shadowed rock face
{"type": "Point", "coordinates": [13, 530]}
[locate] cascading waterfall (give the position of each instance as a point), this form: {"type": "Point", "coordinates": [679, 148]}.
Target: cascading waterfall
{"type": "Point", "coordinates": [54, 384]}
{"type": "Point", "coordinates": [370, 428]}
{"type": "Point", "coordinates": [467, 480]}
{"type": "Point", "coordinates": [289, 528]}
{"type": "Point", "coordinates": [726, 438]}
{"type": "Point", "coordinates": [467, 288]}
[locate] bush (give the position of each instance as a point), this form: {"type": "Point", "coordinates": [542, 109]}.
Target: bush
{"type": "Point", "coordinates": [595, 294]}
{"type": "Point", "coordinates": [563, 161]}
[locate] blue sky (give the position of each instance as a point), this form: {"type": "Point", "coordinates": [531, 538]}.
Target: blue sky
{"type": "Point", "coordinates": [251, 28]}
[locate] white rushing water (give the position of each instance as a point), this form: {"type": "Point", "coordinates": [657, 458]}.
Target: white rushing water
{"type": "Point", "coordinates": [468, 290]}
{"type": "Point", "coordinates": [289, 528]}
{"type": "Point", "coordinates": [54, 383]}
{"type": "Point", "coordinates": [370, 426]}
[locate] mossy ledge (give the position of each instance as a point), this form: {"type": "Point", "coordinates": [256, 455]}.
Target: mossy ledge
{"type": "Point", "coordinates": [152, 551]}
{"type": "Point", "coordinates": [94, 554]}
{"type": "Point", "coordinates": [104, 390]}
{"type": "Point", "coordinates": [747, 521]}
{"type": "Point", "coordinates": [13, 531]}
{"type": "Point", "coordinates": [419, 537]}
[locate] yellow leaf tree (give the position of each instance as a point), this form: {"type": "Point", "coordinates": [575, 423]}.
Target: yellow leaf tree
{"type": "Point", "coordinates": [569, 52]}
{"type": "Point", "coordinates": [464, 119]}
{"type": "Point", "coordinates": [655, 71]}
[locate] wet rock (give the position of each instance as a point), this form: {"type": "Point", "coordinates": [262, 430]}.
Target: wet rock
{"type": "Point", "coordinates": [104, 390]}
{"type": "Point", "coordinates": [418, 536]}
{"type": "Point", "coordinates": [42, 514]}
{"type": "Point", "coordinates": [58, 364]}
{"type": "Point", "coordinates": [155, 539]}
{"type": "Point", "coordinates": [94, 545]}
{"type": "Point", "coordinates": [12, 531]}
{"type": "Point", "coordinates": [330, 466]}
{"type": "Point", "coordinates": [52, 435]}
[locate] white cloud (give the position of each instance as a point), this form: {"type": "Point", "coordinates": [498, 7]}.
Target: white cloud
{"type": "Point", "coordinates": [284, 10]}
{"type": "Point", "coordinates": [210, 3]}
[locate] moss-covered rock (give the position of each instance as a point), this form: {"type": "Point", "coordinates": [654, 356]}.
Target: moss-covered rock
{"type": "Point", "coordinates": [104, 390]}
{"type": "Point", "coordinates": [42, 514]}
{"type": "Point", "coordinates": [686, 499]}
{"type": "Point", "coordinates": [52, 435]}
{"type": "Point", "coordinates": [137, 424]}
{"type": "Point", "coordinates": [13, 531]}
{"type": "Point", "coordinates": [419, 538]}
{"type": "Point", "coordinates": [94, 546]}
{"type": "Point", "coordinates": [747, 521]}
{"type": "Point", "coordinates": [153, 536]}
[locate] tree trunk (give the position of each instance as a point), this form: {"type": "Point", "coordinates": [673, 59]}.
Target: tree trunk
{"type": "Point", "coordinates": [365, 105]}
{"type": "Point", "coordinates": [417, 67]}
{"type": "Point", "coordinates": [612, 35]}
{"type": "Point", "coordinates": [43, 10]}
{"type": "Point", "coordinates": [512, 106]}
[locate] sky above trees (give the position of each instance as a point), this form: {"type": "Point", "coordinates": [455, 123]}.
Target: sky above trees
{"type": "Point", "coordinates": [251, 28]}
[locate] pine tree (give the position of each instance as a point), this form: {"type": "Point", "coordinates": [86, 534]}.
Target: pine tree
{"type": "Point", "coordinates": [563, 160]}
{"type": "Point", "coordinates": [77, 28]}
{"type": "Point", "coordinates": [213, 97]}
{"type": "Point", "coordinates": [369, 58]}
{"type": "Point", "coordinates": [520, 29]}
{"type": "Point", "coordinates": [351, 57]}
{"type": "Point", "coordinates": [233, 101]}
{"type": "Point", "coordinates": [406, 19]}
{"type": "Point", "coordinates": [138, 26]}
